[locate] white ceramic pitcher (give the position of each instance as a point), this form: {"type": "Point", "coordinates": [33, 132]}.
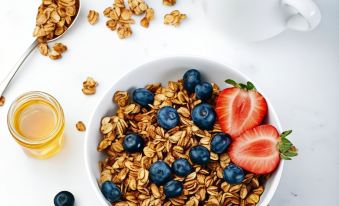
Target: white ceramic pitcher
{"type": "Point", "coordinates": [254, 20]}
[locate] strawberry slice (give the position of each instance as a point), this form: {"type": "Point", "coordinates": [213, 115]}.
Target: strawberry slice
{"type": "Point", "coordinates": [260, 149]}
{"type": "Point", "coordinates": [240, 108]}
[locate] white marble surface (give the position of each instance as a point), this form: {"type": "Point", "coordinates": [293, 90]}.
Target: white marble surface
{"type": "Point", "coordinates": [299, 72]}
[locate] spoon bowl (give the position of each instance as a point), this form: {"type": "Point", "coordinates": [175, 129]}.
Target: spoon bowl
{"type": "Point", "coordinates": [5, 83]}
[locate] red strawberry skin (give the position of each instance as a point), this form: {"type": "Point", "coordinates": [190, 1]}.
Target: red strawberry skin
{"type": "Point", "coordinates": [239, 110]}
{"type": "Point", "coordinates": [256, 150]}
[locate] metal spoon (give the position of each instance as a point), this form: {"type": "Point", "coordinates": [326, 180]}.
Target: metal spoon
{"type": "Point", "coordinates": [5, 83]}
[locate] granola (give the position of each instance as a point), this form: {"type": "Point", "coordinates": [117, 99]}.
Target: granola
{"type": "Point", "coordinates": [169, 2]}
{"type": "Point", "coordinates": [149, 15]}
{"type": "Point", "coordinates": [59, 47]}
{"type": "Point", "coordinates": [138, 7]}
{"type": "Point", "coordinates": [53, 19]}
{"type": "Point", "coordinates": [92, 17]}
{"type": "Point", "coordinates": [130, 171]}
{"type": "Point", "coordinates": [55, 55]}
{"type": "Point", "coordinates": [174, 18]}
{"type": "Point", "coordinates": [80, 126]}
{"type": "Point", "coordinates": [89, 86]}
{"type": "Point", "coordinates": [120, 19]}
{"type": "Point", "coordinates": [2, 100]}
{"type": "Point", "coordinates": [43, 48]}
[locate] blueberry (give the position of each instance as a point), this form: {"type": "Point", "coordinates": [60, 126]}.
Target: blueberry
{"type": "Point", "coordinates": [64, 198]}
{"type": "Point", "coordinates": [160, 172]}
{"type": "Point", "coordinates": [204, 116]}
{"type": "Point", "coordinates": [220, 142]}
{"type": "Point", "coordinates": [233, 174]}
{"type": "Point", "coordinates": [191, 79]}
{"type": "Point", "coordinates": [199, 155]}
{"type": "Point", "coordinates": [111, 192]}
{"type": "Point", "coordinates": [143, 97]}
{"type": "Point", "coordinates": [182, 167]}
{"type": "Point", "coordinates": [204, 91]}
{"type": "Point", "coordinates": [133, 143]}
{"type": "Point", "coordinates": [168, 117]}
{"type": "Point", "coordinates": [173, 188]}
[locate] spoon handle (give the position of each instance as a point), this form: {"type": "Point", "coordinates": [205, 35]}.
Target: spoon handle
{"type": "Point", "coordinates": [5, 83]}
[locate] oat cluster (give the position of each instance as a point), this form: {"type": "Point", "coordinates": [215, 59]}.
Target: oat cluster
{"type": "Point", "coordinates": [89, 86]}
{"type": "Point", "coordinates": [149, 16]}
{"type": "Point", "coordinates": [130, 171]}
{"type": "Point", "coordinates": [169, 2]}
{"type": "Point", "coordinates": [92, 17]}
{"type": "Point", "coordinates": [174, 18]}
{"type": "Point", "coordinates": [138, 7]}
{"type": "Point", "coordinates": [54, 54]}
{"type": "Point", "coordinates": [53, 19]}
{"type": "Point", "coordinates": [120, 17]}
{"type": "Point", "coordinates": [2, 101]}
{"type": "Point", "coordinates": [80, 126]}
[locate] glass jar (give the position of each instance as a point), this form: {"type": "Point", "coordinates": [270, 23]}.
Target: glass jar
{"type": "Point", "coordinates": [36, 121]}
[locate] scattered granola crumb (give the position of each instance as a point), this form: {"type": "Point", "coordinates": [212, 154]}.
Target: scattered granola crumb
{"type": "Point", "coordinates": [55, 55]}
{"type": "Point", "coordinates": [80, 126]}
{"type": "Point", "coordinates": [148, 17]}
{"type": "Point", "coordinates": [89, 86]}
{"type": "Point", "coordinates": [138, 7]}
{"type": "Point", "coordinates": [92, 17]}
{"type": "Point", "coordinates": [60, 48]}
{"type": "Point", "coordinates": [169, 2]}
{"type": "Point", "coordinates": [124, 31]}
{"type": "Point", "coordinates": [174, 18]}
{"type": "Point", "coordinates": [43, 48]}
{"type": "Point", "coordinates": [2, 100]}
{"type": "Point", "coordinates": [120, 19]}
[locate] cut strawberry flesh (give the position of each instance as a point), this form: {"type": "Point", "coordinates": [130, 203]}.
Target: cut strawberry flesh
{"type": "Point", "coordinates": [239, 110]}
{"type": "Point", "coordinates": [260, 148]}
{"type": "Point", "coordinates": [256, 150]}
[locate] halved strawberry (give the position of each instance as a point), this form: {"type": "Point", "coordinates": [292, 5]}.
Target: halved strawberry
{"type": "Point", "coordinates": [240, 108]}
{"type": "Point", "coordinates": [260, 149]}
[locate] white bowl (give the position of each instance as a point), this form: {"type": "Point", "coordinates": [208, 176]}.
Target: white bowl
{"type": "Point", "coordinates": [163, 70]}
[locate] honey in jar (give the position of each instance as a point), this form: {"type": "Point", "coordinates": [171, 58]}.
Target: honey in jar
{"type": "Point", "coordinates": [36, 121]}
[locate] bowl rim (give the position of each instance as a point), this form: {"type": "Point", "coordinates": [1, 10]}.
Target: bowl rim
{"type": "Point", "coordinates": [92, 179]}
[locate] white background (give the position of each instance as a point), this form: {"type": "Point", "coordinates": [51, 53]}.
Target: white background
{"type": "Point", "coordinates": [298, 72]}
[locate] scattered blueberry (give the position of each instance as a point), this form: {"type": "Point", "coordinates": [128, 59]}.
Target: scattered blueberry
{"type": "Point", "coordinates": [143, 97]}
{"type": "Point", "coordinates": [220, 142]}
{"type": "Point", "coordinates": [204, 91]}
{"type": "Point", "coordinates": [168, 117]}
{"type": "Point", "coordinates": [191, 79]}
{"type": "Point", "coordinates": [173, 188]}
{"type": "Point", "coordinates": [204, 116]}
{"type": "Point", "coordinates": [133, 143]}
{"type": "Point", "coordinates": [111, 192]}
{"type": "Point", "coordinates": [64, 198]}
{"type": "Point", "coordinates": [182, 167]}
{"type": "Point", "coordinates": [233, 174]}
{"type": "Point", "coordinates": [199, 155]}
{"type": "Point", "coordinates": [160, 172]}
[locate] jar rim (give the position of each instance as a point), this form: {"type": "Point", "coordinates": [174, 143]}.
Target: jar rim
{"type": "Point", "coordinates": [32, 95]}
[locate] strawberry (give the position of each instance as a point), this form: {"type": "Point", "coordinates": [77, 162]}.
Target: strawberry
{"type": "Point", "coordinates": [240, 108]}
{"type": "Point", "coordinates": [260, 149]}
